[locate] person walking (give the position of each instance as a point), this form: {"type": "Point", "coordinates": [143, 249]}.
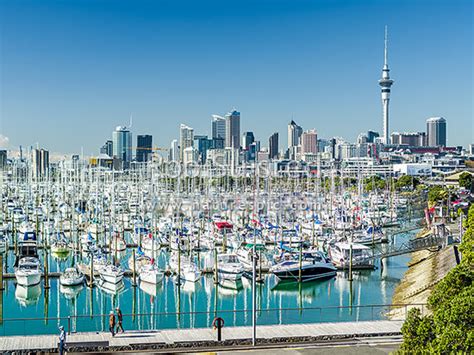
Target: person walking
{"type": "Point", "coordinates": [112, 323]}
{"type": "Point", "coordinates": [119, 320]}
{"type": "Point", "coordinates": [62, 340]}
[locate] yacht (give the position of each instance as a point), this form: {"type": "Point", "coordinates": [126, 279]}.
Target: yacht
{"type": "Point", "coordinates": [244, 253]}
{"type": "Point", "coordinates": [28, 271]}
{"type": "Point", "coordinates": [111, 274]}
{"type": "Point", "coordinates": [151, 274]}
{"type": "Point", "coordinates": [229, 267]}
{"type": "Point", "coordinates": [361, 255]}
{"type": "Point", "coordinates": [314, 265]}
{"type": "Point", "coordinates": [189, 271]}
{"type": "Point", "coordinates": [3, 241]}
{"type": "Point", "coordinates": [71, 277]}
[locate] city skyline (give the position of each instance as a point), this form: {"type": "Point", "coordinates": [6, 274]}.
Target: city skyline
{"type": "Point", "coordinates": [328, 94]}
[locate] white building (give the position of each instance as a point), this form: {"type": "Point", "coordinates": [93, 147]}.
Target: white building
{"type": "Point", "coordinates": [186, 139]}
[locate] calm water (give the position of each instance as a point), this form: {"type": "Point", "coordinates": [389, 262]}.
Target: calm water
{"type": "Point", "coordinates": [196, 305]}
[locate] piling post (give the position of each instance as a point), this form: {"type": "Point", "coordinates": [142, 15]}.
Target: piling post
{"type": "Point", "coordinates": [179, 262]}
{"type": "Point", "coordinates": [1, 272]}
{"type": "Point", "coordinates": [300, 270]}
{"type": "Point", "coordinates": [134, 271]}
{"type": "Point", "coordinates": [46, 271]}
{"type": "Point", "coordinates": [350, 262]}
{"type": "Point", "coordinates": [91, 273]}
{"type": "Point", "coordinates": [216, 280]}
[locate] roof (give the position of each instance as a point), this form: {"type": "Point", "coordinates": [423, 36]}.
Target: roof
{"type": "Point", "coordinates": [455, 177]}
{"type": "Point", "coordinates": [221, 225]}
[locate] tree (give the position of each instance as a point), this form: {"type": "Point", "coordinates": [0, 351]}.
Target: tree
{"type": "Point", "coordinates": [406, 181]}
{"type": "Point", "coordinates": [450, 328]}
{"type": "Point", "coordinates": [465, 180]}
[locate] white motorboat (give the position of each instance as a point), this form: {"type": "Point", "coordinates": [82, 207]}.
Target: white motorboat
{"type": "Point", "coordinates": [151, 274]}
{"type": "Point", "coordinates": [28, 271]}
{"type": "Point", "coordinates": [189, 271]}
{"type": "Point", "coordinates": [229, 267]}
{"type": "Point", "coordinates": [111, 274]}
{"type": "Point", "coordinates": [313, 265]}
{"type": "Point", "coordinates": [71, 277]}
{"type": "Point", "coordinates": [244, 253]}
{"type": "Point", "coordinates": [361, 255]}
{"type": "Point", "coordinates": [3, 241]}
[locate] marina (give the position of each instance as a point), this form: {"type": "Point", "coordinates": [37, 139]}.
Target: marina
{"type": "Point", "coordinates": [175, 253]}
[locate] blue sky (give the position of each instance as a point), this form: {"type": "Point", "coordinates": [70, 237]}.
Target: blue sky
{"type": "Point", "coordinates": [73, 70]}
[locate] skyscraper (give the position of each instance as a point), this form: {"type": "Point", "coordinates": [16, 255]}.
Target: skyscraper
{"type": "Point", "coordinates": [40, 162]}
{"type": "Point", "coordinates": [186, 139]}
{"type": "Point", "coordinates": [144, 147]}
{"type": "Point", "coordinates": [107, 148]}
{"type": "Point", "coordinates": [232, 130]}
{"type": "Point", "coordinates": [203, 144]}
{"type": "Point", "coordinates": [273, 146]}
{"type": "Point", "coordinates": [122, 144]}
{"type": "Point", "coordinates": [294, 135]}
{"type": "Point", "coordinates": [436, 131]}
{"type": "Point", "coordinates": [309, 142]}
{"type": "Point", "coordinates": [371, 136]}
{"type": "Point", "coordinates": [3, 158]}
{"type": "Point", "coordinates": [174, 150]}
{"type": "Point", "coordinates": [218, 126]}
{"type": "Point", "coordinates": [385, 83]}
{"type": "Point", "coordinates": [247, 139]}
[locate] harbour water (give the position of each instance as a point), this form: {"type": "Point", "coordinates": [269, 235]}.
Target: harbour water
{"type": "Point", "coordinates": [36, 310]}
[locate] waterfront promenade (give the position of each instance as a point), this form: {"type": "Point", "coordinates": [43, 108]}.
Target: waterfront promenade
{"type": "Point", "coordinates": [202, 337]}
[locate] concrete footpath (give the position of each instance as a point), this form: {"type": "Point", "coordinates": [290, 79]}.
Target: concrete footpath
{"type": "Point", "coordinates": [200, 337]}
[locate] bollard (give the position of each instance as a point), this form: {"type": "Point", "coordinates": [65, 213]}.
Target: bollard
{"type": "Point", "coordinates": [218, 323]}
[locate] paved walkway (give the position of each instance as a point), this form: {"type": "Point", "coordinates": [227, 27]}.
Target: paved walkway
{"type": "Point", "coordinates": [186, 336]}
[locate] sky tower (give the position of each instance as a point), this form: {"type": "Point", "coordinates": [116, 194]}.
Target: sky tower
{"type": "Point", "coordinates": [385, 83]}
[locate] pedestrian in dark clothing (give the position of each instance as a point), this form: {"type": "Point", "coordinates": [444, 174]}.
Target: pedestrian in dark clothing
{"type": "Point", "coordinates": [62, 340]}
{"type": "Point", "coordinates": [119, 320]}
{"type": "Point", "coordinates": [112, 323]}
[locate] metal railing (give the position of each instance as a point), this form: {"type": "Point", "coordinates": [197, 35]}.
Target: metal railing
{"type": "Point", "coordinates": [203, 319]}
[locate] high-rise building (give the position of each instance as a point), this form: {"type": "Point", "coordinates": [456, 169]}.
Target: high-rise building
{"type": "Point", "coordinates": [3, 158]}
{"type": "Point", "coordinates": [174, 150]}
{"type": "Point", "coordinates": [122, 144]}
{"type": "Point", "coordinates": [107, 148]}
{"type": "Point", "coordinates": [273, 146]}
{"type": "Point", "coordinates": [254, 148]}
{"type": "Point", "coordinates": [186, 139]}
{"type": "Point", "coordinates": [218, 127]}
{"type": "Point", "coordinates": [412, 139]}
{"type": "Point", "coordinates": [190, 155]}
{"type": "Point", "coordinates": [40, 163]}
{"type": "Point", "coordinates": [232, 130]}
{"type": "Point", "coordinates": [436, 131]}
{"type": "Point", "coordinates": [247, 139]}
{"type": "Point", "coordinates": [202, 144]}
{"type": "Point", "coordinates": [144, 147]}
{"type": "Point", "coordinates": [294, 134]}
{"type": "Point", "coordinates": [371, 136]}
{"type": "Point", "coordinates": [309, 142]}
{"type": "Point", "coordinates": [385, 83]}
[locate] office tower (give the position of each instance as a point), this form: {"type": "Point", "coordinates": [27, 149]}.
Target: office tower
{"type": "Point", "coordinates": [107, 148]}
{"type": "Point", "coordinates": [186, 139]}
{"type": "Point", "coordinates": [3, 158]}
{"type": "Point", "coordinates": [470, 149]}
{"type": "Point", "coordinates": [174, 150]}
{"type": "Point", "coordinates": [218, 143]}
{"type": "Point", "coordinates": [203, 144]}
{"type": "Point", "coordinates": [412, 139]}
{"type": "Point", "coordinates": [232, 130]}
{"type": "Point", "coordinates": [247, 139]}
{"type": "Point", "coordinates": [40, 163]}
{"type": "Point", "coordinates": [309, 142]}
{"type": "Point", "coordinates": [218, 127]}
{"type": "Point", "coordinates": [122, 144]}
{"type": "Point", "coordinates": [294, 134]}
{"type": "Point", "coordinates": [190, 155]}
{"type": "Point", "coordinates": [385, 83]}
{"type": "Point", "coordinates": [144, 147]}
{"type": "Point", "coordinates": [371, 136]}
{"type": "Point", "coordinates": [273, 146]}
{"type": "Point", "coordinates": [436, 131]}
{"type": "Point", "coordinates": [254, 148]}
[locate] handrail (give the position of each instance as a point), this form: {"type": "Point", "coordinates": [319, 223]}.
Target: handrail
{"type": "Point", "coordinates": [395, 305]}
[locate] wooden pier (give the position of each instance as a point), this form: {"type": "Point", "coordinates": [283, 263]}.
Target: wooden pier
{"type": "Point", "coordinates": [203, 337]}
